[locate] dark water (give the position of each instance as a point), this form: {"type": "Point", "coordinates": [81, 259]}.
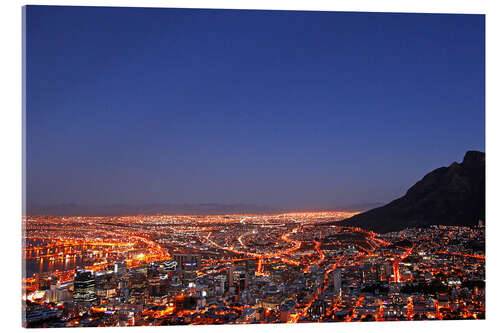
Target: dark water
{"type": "Point", "coordinates": [44, 265]}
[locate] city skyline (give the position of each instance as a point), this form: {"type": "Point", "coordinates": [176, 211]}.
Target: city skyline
{"type": "Point", "coordinates": [207, 167]}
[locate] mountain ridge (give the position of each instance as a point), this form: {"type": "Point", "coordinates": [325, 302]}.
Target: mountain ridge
{"type": "Point", "coordinates": [453, 195]}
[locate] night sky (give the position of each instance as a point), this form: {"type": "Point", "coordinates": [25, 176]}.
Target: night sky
{"type": "Point", "coordinates": [278, 108]}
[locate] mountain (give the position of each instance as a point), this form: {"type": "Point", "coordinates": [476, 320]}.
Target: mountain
{"type": "Point", "coordinates": [358, 207]}
{"type": "Point", "coordinates": [453, 195]}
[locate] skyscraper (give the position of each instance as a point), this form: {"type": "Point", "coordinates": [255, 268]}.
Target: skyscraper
{"type": "Point", "coordinates": [84, 286]}
{"type": "Point", "coordinates": [188, 263]}
{"type": "Point", "coordinates": [230, 275]}
{"type": "Point", "coordinates": [241, 280]}
{"type": "Point", "coordinates": [120, 267]}
{"type": "Point", "coordinates": [337, 280]}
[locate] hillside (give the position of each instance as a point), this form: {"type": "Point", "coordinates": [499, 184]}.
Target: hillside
{"type": "Point", "coordinates": [453, 195]}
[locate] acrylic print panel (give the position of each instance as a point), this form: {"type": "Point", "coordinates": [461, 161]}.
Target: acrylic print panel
{"type": "Point", "coordinates": [188, 166]}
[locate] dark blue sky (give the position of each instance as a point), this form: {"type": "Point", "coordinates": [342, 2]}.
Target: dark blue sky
{"type": "Point", "coordinates": [281, 108]}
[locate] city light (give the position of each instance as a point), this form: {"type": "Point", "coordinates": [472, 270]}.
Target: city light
{"type": "Point", "coordinates": [289, 268]}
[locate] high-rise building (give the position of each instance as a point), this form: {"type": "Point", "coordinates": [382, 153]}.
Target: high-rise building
{"type": "Point", "coordinates": [154, 282]}
{"type": "Point", "coordinates": [251, 266]}
{"type": "Point", "coordinates": [220, 284]}
{"type": "Point", "coordinates": [187, 261]}
{"type": "Point", "coordinates": [84, 286]}
{"type": "Point", "coordinates": [241, 280]}
{"type": "Point", "coordinates": [138, 280]}
{"type": "Point", "coordinates": [317, 309]}
{"type": "Point", "coordinates": [337, 281]}
{"type": "Point", "coordinates": [369, 273]}
{"type": "Point", "coordinates": [59, 292]}
{"type": "Point", "coordinates": [387, 270]}
{"type": "Point", "coordinates": [120, 267]}
{"type": "Point", "coordinates": [169, 265]}
{"type": "Point", "coordinates": [230, 277]}
{"type": "Point", "coordinates": [44, 282]}
{"type": "Point", "coordinates": [176, 281]}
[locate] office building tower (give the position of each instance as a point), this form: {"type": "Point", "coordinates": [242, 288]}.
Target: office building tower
{"type": "Point", "coordinates": [120, 267]}
{"type": "Point", "coordinates": [337, 281]}
{"type": "Point", "coordinates": [84, 286]}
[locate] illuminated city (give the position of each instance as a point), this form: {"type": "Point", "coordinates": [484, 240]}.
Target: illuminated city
{"type": "Point", "coordinates": [202, 166]}
{"type": "Point", "coordinates": [235, 269]}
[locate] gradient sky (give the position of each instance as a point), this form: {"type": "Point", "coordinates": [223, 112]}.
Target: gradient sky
{"type": "Point", "coordinates": [277, 108]}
